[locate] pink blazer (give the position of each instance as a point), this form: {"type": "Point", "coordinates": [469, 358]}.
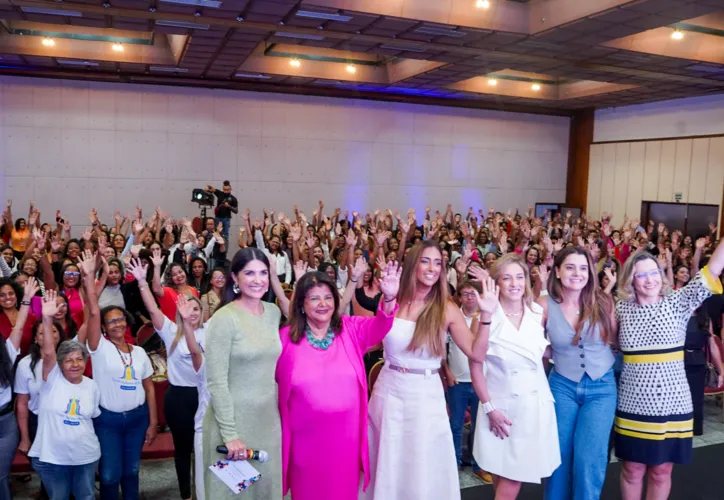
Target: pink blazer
{"type": "Point", "coordinates": [357, 335]}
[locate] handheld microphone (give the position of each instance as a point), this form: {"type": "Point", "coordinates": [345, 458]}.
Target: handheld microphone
{"type": "Point", "coordinates": [258, 455]}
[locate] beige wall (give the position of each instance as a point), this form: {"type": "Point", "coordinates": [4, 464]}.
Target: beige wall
{"type": "Point", "coordinates": [624, 174]}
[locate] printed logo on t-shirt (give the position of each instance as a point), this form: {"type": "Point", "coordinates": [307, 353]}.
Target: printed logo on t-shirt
{"type": "Point", "coordinates": [128, 381]}
{"type": "Point", "coordinates": [72, 412]}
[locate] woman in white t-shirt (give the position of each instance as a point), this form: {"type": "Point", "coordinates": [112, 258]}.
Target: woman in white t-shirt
{"type": "Point", "coordinates": [187, 312]}
{"type": "Point", "coordinates": [123, 372]}
{"type": "Point", "coordinates": [9, 351]}
{"type": "Point", "coordinates": [182, 397]}
{"type": "Point", "coordinates": [66, 451]}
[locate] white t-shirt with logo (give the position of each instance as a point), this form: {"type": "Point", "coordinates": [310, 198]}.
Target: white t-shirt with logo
{"type": "Point", "coordinates": [65, 426]}
{"type": "Point", "coordinates": [181, 371]}
{"type": "Point", "coordinates": [121, 382]}
{"type": "Point", "coordinates": [457, 360]}
{"type": "Point", "coordinates": [6, 393]}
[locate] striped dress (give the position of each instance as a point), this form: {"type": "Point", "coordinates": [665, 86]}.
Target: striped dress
{"type": "Point", "coordinates": [654, 418]}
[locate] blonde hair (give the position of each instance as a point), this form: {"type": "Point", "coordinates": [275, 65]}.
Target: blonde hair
{"type": "Point", "coordinates": [625, 280]}
{"type": "Point", "coordinates": [514, 258]}
{"type": "Point", "coordinates": [180, 323]}
{"type": "Point", "coordinates": [430, 322]}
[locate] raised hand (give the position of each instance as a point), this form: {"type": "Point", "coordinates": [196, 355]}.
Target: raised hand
{"type": "Point", "coordinates": [87, 263]}
{"type": "Point", "coordinates": [50, 306]}
{"type": "Point", "coordinates": [138, 269]}
{"type": "Point", "coordinates": [30, 288]}
{"type": "Point", "coordinates": [540, 273]}
{"type": "Point", "coordinates": [390, 280]}
{"type": "Point", "coordinates": [310, 242]}
{"type": "Point", "coordinates": [55, 244]}
{"type": "Point", "coordinates": [359, 268]}
{"type": "Point", "coordinates": [300, 269]}
{"type": "Point", "coordinates": [382, 236]}
{"type": "Point", "coordinates": [488, 300]}
{"type": "Point", "coordinates": [700, 243]}
{"type": "Point", "coordinates": [608, 271]}
{"type": "Point", "coordinates": [185, 307]}
{"type": "Point", "coordinates": [351, 239]}
{"type": "Point", "coordinates": [296, 232]}
{"type": "Point", "coordinates": [478, 273]}
{"type": "Point", "coordinates": [157, 258]}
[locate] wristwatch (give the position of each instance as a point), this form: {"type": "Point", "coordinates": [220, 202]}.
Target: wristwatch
{"type": "Point", "coordinates": [488, 407]}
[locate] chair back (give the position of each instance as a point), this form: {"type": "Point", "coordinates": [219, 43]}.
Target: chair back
{"type": "Point", "coordinates": [718, 343]}
{"type": "Point", "coordinates": [374, 373]}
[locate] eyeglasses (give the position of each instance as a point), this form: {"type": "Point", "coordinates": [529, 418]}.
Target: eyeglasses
{"type": "Point", "coordinates": [467, 295]}
{"type": "Point", "coordinates": [74, 274]}
{"type": "Point", "coordinates": [650, 274]}
{"type": "Point", "coordinates": [219, 278]}
{"type": "Point", "coordinates": [116, 321]}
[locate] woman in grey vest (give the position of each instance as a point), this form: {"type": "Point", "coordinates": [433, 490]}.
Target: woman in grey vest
{"type": "Point", "coordinates": [579, 323]}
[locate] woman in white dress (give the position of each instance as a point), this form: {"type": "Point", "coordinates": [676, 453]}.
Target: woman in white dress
{"type": "Point", "coordinates": [411, 447]}
{"type": "Point", "coordinates": [517, 436]}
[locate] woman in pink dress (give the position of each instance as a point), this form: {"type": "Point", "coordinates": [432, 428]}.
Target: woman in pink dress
{"type": "Point", "coordinates": [323, 387]}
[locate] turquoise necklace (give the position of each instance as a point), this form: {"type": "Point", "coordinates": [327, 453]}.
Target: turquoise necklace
{"type": "Point", "coordinates": [320, 344]}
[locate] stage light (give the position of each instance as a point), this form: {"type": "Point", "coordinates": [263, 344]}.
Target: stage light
{"type": "Point", "coordinates": [202, 197]}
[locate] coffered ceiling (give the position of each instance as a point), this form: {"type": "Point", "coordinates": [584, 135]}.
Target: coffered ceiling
{"type": "Point", "coordinates": [549, 56]}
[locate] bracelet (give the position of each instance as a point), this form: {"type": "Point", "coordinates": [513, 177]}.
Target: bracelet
{"type": "Point", "coordinates": [25, 303]}
{"type": "Point", "coordinates": [354, 281]}
{"type": "Point", "coordinates": [486, 323]}
{"type": "Point", "coordinates": [391, 300]}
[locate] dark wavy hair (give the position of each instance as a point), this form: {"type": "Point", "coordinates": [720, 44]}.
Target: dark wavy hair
{"type": "Point", "coordinates": [240, 261]}
{"type": "Point", "coordinates": [596, 306]}
{"type": "Point", "coordinates": [35, 350]}
{"type": "Point", "coordinates": [297, 320]}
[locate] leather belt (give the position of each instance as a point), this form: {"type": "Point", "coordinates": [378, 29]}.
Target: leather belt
{"type": "Point", "coordinates": [414, 371]}
{"type": "Point", "coordinates": [8, 408]}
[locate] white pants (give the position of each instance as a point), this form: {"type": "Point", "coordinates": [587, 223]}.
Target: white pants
{"type": "Point", "coordinates": [199, 465]}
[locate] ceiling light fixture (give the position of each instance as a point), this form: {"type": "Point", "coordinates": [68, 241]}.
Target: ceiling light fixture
{"type": "Point", "coordinates": [117, 47]}
{"type": "Point", "coordinates": [51, 12]}
{"type": "Point", "coordinates": [351, 69]}
{"type": "Point", "coordinates": [214, 4]}
{"type": "Point", "coordinates": [182, 24]}
{"type": "Point", "coordinates": [492, 82]}
{"type": "Point", "coordinates": [535, 87]}
{"type": "Point", "coordinates": [295, 63]}
{"type": "Point", "coordinates": [311, 14]}
{"type": "Point", "coordinates": [482, 4]}
{"type": "Point", "coordinates": [48, 42]}
{"type": "Point", "coordinates": [677, 35]}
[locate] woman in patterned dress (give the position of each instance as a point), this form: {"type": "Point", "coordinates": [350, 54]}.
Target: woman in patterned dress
{"type": "Point", "coordinates": [654, 417]}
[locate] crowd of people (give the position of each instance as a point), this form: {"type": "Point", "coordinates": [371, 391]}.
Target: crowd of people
{"type": "Point", "coordinates": [270, 345]}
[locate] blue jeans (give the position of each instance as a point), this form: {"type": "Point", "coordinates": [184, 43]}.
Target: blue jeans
{"type": "Point", "coordinates": [460, 396]}
{"type": "Point", "coordinates": [121, 436]}
{"type": "Point", "coordinates": [584, 412]}
{"type": "Point", "coordinates": [62, 480]}
{"type": "Point", "coordinates": [9, 438]}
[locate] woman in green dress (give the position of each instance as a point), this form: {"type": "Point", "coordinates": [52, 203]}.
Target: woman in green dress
{"type": "Point", "coordinates": [242, 347]}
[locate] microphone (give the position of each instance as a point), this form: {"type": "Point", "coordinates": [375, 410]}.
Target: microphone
{"type": "Point", "coordinates": [258, 455]}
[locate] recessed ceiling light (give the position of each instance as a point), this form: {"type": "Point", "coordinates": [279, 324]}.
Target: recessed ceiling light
{"type": "Point", "coordinates": [48, 42]}
{"type": "Point", "coordinates": [351, 69]}
{"type": "Point", "coordinates": [117, 47]}
{"type": "Point", "coordinates": [677, 35]}
{"type": "Point", "coordinates": [492, 82]}
{"type": "Point", "coordinates": [482, 4]}
{"type": "Point", "coordinates": [295, 63]}
{"type": "Point", "coordinates": [535, 87]}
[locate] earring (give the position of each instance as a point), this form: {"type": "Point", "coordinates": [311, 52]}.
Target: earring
{"type": "Point", "coordinates": [236, 289]}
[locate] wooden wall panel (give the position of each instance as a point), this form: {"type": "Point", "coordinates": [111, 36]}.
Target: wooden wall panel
{"type": "Point", "coordinates": [666, 171]}
{"type": "Point", "coordinates": [652, 161]}
{"type": "Point", "coordinates": [699, 167]}
{"type": "Point", "coordinates": [607, 177]}
{"type": "Point", "coordinates": [682, 168]}
{"type": "Point", "coordinates": [620, 180]}
{"type": "Point", "coordinates": [594, 180]}
{"type": "Point", "coordinates": [635, 189]}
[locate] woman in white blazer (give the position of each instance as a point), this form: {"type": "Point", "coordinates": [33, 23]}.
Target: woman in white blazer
{"type": "Point", "coordinates": [517, 436]}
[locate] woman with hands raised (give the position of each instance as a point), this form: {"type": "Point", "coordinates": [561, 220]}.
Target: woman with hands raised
{"type": "Point", "coordinates": [176, 281]}
{"type": "Point", "coordinates": [182, 397]}
{"type": "Point", "coordinates": [323, 387]}
{"type": "Point", "coordinates": [123, 371]}
{"type": "Point", "coordinates": [516, 437]}
{"type": "Point", "coordinates": [66, 450]}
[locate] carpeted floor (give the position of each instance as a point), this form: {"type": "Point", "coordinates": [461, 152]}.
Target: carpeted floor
{"type": "Point", "coordinates": [702, 480]}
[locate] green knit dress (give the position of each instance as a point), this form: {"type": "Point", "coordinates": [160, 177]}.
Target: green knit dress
{"type": "Point", "coordinates": [241, 357]}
